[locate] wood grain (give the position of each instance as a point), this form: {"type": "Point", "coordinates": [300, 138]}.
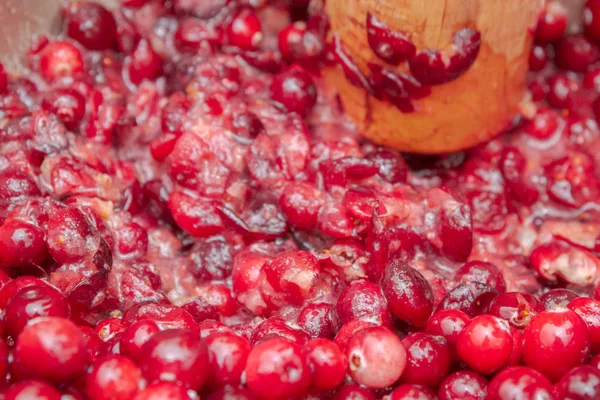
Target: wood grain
{"type": "Point", "coordinates": [456, 115]}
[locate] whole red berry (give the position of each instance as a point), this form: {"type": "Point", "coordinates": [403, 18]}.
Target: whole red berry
{"type": "Point", "coordinates": [589, 311]}
{"type": "Point", "coordinates": [591, 20]}
{"type": "Point", "coordinates": [175, 355]}
{"type": "Point", "coordinates": [463, 385]}
{"type": "Point", "coordinates": [90, 24]}
{"type": "Point", "coordinates": [327, 363]}
{"type": "Point", "coordinates": [51, 348]}
{"type": "Point", "coordinates": [555, 341]}
{"type": "Point", "coordinates": [162, 391]}
{"type": "Point", "coordinates": [277, 369]}
{"type": "Point", "coordinates": [32, 302]}
{"type": "Point", "coordinates": [135, 336]}
{"type": "Point", "coordinates": [32, 389]}
{"type": "Point", "coordinates": [144, 63]}
{"type": "Point", "coordinates": [68, 105]}
{"type": "Point", "coordinates": [294, 90]}
{"type": "Point", "coordinates": [227, 355]}
{"type": "Point", "coordinates": [244, 31]}
{"type": "Point", "coordinates": [412, 391]}
{"type": "Point", "coordinates": [581, 383]}
{"type": "Point", "coordinates": [427, 359]}
{"type": "Point", "coordinates": [519, 383]}
{"type": "Point", "coordinates": [113, 378]}
{"type": "Point", "coordinates": [60, 59]}
{"type": "Point", "coordinates": [22, 244]}
{"type": "Point", "coordinates": [486, 344]}
{"type": "Point", "coordinates": [376, 357]}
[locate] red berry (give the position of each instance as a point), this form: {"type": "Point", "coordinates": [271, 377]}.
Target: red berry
{"type": "Point", "coordinates": [486, 344]}
{"type": "Point", "coordinates": [91, 24]}
{"type": "Point", "coordinates": [555, 341]}
{"type": "Point", "coordinates": [376, 357]}
{"type": "Point", "coordinates": [463, 385]}
{"type": "Point", "coordinates": [21, 245]}
{"type": "Point", "coordinates": [519, 383]}
{"type": "Point", "coordinates": [244, 31]}
{"type": "Point", "coordinates": [552, 23]}
{"type": "Point", "coordinates": [68, 105]}
{"type": "Point", "coordinates": [582, 383]}
{"type": "Point", "coordinates": [277, 369]}
{"type": "Point", "coordinates": [589, 311]}
{"type": "Point", "coordinates": [591, 20]}
{"type": "Point", "coordinates": [113, 378]}
{"type": "Point", "coordinates": [575, 53]}
{"type": "Point", "coordinates": [411, 391]}
{"type": "Point", "coordinates": [175, 355]}
{"type": "Point", "coordinates": [51, 348]}
{"type": "Point", "coordinates": [32, 302]}
{"type": "Point", "coordinates": [162, 391]}
{"type": "Point", "coordinates": [32, 389]}
{"type": "Point", "coordinates": [144, 63]}
{"type": "Point", "coordinates": [60, 59]}
{"type": "Point", "coordinates": [428, 359]}
{"type": "Point", "coordinates": [327, 362]}
{"type": "Point", "coordinates": [227, 355]}
{"type": "Point", "coordinates": [294, 90]}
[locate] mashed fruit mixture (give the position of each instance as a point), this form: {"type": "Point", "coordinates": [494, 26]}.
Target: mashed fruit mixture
{"type": "Point", "coordinates": [186, 212]}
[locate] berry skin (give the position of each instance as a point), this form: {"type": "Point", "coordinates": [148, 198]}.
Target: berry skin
{"type": "Point", "coordinates": [486, 344]}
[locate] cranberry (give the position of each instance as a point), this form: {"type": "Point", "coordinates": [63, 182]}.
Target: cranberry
{"type": "Point", "coordinates": [473, 298]}
{"type": "Point", "coordinates": [301, 202]}
{"type": "Point", "coordinates": [552, 23]}
{"type": "Point", "coordinates": [315, 319]}
{"type": "Point", "coordinates": [21, 245]}
{"type": "Point", "coordinates": [3, 79]}
{"type": "Point", "coordinates": [560, 90]}
{"type": "Point", "coordinates": [463, 385]}
{"type": "Point", "coordinates": [113, 377]}
{"type": "Point", "coordinates": [589, 311]}
{"type": "Point", "coordinates": [292, 275]}
{"type": "Point", "coordinates": [595, 361]}
{"type": "Point", "coordinates": [273, 327]}
{"type": "Point", "coordinates": [432, 67]}
{"type": "Point", "coordinates": [327, 362]}
{"type": "Point", "coordinates": [244, 31]}
{"type": "Point", "coordinates": [572, 180]}
{"type": "Point", "coordinates": [68, 105]}
{"type": "Point", "coordinates": [543, 125]}
{"type": "Point", "coordinates": [448, 324]}
{"type": "Point", "coordinates": [144, 63]}
{"type": "Point", "coordinates": [428, 359]}
{"type": "Point", "coordinates": [392, 47]}
{"type": "Point", "coordinates": [195, 215]}
{"type": "Point", "coordinates": [60, 59]}
{"type": "Point", "coordinates": [277, 369]}
{"type": "Point", "coordinates": [362, 299]}
{"type": "Point", "coordinates": [135, 336]}
{"type": "Point", "coordinates": [227, 355]}
{"type": "Point", "coordinates": [31, 302]}
{"type": "Point", "coordinates": [555, 341]}
{"type": "Point", "coordinates": [353, 392]}
{"type": "Point", "coordinates": [411, 391]}
{"type": "Point", "coordinates": [516, 308]}
{"type": "Point", "coordinates": [32, 389]}
{"type": "Point", "coordinates": [557, 297]}
{"type": "Point", "coordinates": [10, 288]}
{"type": "Point", "coordinates": [201, 310]}
{"type": "Point", "coordinates": [482, 272]}
{"type": "Point", "coordinates": [376, 357]}
{"type": "Point", "coordinates": [70, 235]}
{"type": "Point", "coordinates": [519, 383]}
{"type": "Point", "coordinates": [294, 90]}
{"type": "Point", "coordinates": [582, 382]}
{"type": "Point", "coordinates": [591, 20]}
{"type": "Point", "coordinates": [175, 355]}
{"type": "Point", "coordinates": [575, 53]}
{"type": "Point", "coordinates": [4, 359]}
{"type": "Point", "coordinates": [50, 348]}
{"type": "Point", "coordinates": [231, 393]}
{"type": "Point", "coordinates": [485, 344]}
{"type": "Point", "coordinates": [161, 391]}
{"type": "Point", "coordinates": [392, 167]}
{"type": "Point", "coordinates": [456, 231]}
{"type": "Point", "coordinates": [91, 24]}
{"type": "Point", "coordinates": [15, 184]}
{"type": "Point", "coordinates": [193, 35]}
{"type": "Point", "coordinates": [409, 295]}
{"type": "Point", "coordinates": [538, 58]}
{"type": "Point", "coordinates": [290, 39]}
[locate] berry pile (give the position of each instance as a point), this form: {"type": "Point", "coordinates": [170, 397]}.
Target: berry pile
{"type": "Point", "coordinates": [186, 212]}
